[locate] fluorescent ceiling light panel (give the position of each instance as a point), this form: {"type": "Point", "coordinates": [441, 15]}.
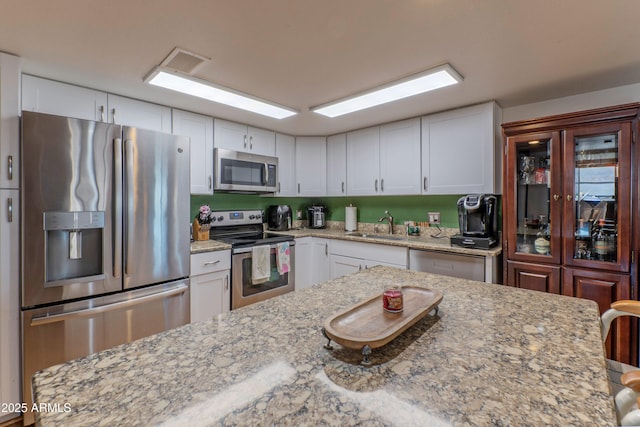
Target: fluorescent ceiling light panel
{"type": "Point", "coordinates": [193, 86]}
{"type": "Point", "coordinates": [416, 84]}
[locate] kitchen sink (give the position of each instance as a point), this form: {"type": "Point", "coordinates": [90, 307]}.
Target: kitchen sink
{"type": "Point", "coordinates": [377, 236]}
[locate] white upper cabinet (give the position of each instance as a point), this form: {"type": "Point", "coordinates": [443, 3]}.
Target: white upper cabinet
{"type": "Point", "coordinates": [132, 112]}
{"type": "Point", "coordinates": [62, 99]}
{"type": "Point", "coordinates": [400, 158]}
{"type": "Point", "coordinates": [461, 151]}
{"type": "Point", "coordinates": [337, 165]}
{"type": "Point", "coordinates": [9, 232]}
{"type": "Point", "coordinates": [363, 162]}
{"type": "Point", "coordinates": [9, 122]}
{"type": "Point", "coordinates": [199, 129]}
{"type": "Point", "coordinates": [239, 137]}
{"type": "Point", "coordinates": [311, 166]}
{"type": "Point", "coordinates": [384, 160]}
{"type": "Point", "coordinates": [286, 152]}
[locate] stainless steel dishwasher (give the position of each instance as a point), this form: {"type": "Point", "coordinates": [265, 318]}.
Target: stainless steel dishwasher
{"type": "Point", "coordinates": [471, 267]}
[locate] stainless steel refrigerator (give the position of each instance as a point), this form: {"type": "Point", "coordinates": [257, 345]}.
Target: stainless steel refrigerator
{"type": "Point", "coordinates": [105, 243]}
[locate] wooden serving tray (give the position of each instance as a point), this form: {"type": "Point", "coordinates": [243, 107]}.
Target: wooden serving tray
{"type": "Point", "coordinates": [367, 324]}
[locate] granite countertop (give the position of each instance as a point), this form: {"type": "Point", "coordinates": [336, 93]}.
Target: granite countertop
{"type": "Point", "coordinates": [493, 355]}
{"type": "Point", "coordinates": [199, 246]}
{"type": "Point", "coordinates": [411, 242]}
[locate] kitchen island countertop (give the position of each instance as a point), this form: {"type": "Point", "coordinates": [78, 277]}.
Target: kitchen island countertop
{"type": "Point", "coordinates": [493, 355]}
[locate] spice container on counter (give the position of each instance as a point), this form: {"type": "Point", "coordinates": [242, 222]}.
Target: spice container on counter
{"type": "Point", "coordinates": [392, 298]}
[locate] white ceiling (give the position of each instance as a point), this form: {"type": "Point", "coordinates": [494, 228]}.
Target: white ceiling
{"type": "Point", "coordinates": [303, 53]}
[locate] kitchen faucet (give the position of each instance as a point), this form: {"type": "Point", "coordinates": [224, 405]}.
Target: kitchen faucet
{"type": "Point", "coordinates": [389, 219]}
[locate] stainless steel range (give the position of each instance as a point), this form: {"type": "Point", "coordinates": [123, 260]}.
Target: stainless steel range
{"type": "Point", "coordinates": [243, 230]}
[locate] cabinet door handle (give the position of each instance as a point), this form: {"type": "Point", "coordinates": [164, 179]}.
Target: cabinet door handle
{"type": "Point", "coordinates": [298, 188]}
{"type": "Point", "coordinates": [245, 141]}
{"type": "Point", "coordinates": [360, 268]}
{"type": "Point", "coordinates": [210, 182]}
{"type": "Point", "coordinates": [278, 186]}
{"type": "Point", "coordinates": [102, 113]}
{"type": "Point", "coordinates": [212, 262]}
{"type": "Point", "coordinates": [113, 114]}
{"type": "Point", "coordinates": [382, 185]}
{"type": "Point", "coordinates": [556, 197]}
{"type": "Point", "coordinates": [226, 282]}
{"type": "Point", "coordinates": [343, 186]}
{"type": "Point", "coordinates": [10, 209]}
{"type": "Point", "coordinates": [251, 143]}
{"type": "Point", "coordinates": [326, 249]}
{"type": "Point", "coordinates": [10, 167]}
{"type": "Point", "coordinates": [424, 183]}
{"type": "Point", "coordinates": [569, 197]}
{"type": "Point", "coordinates": [376, 185]}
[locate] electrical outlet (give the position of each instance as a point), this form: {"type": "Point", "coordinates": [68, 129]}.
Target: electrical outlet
{"type": "Point", "coordinates": [434, 217]}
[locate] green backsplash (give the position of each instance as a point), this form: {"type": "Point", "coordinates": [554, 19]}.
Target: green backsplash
{"type": "Point", "coordinates": [370, 208]}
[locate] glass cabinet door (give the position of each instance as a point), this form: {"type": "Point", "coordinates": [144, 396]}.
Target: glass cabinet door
{"type": "Point", "coordinates": [597, 188]}
{"type": "Point", "coordinates": [534, 217]}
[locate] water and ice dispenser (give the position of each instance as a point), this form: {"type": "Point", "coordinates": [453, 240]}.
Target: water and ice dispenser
{"type": "Point", "coordinates": [73, 246]}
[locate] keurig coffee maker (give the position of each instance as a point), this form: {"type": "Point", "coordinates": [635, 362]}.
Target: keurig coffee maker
{"type": "Point", "coordinates": [478, 221]}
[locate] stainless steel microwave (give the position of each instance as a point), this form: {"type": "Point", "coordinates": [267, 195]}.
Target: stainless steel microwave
{"type": "Point", "coordinates": [236, 171]}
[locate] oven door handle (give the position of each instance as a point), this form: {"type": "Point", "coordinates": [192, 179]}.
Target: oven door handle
{"type": "Point", "coordinates": [250, 248]}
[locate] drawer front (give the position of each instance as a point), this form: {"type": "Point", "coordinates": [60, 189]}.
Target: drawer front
{"type": "Point", "coordinates": [208, 262]}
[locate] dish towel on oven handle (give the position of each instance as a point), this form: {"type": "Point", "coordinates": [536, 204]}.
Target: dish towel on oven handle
{"type": "Point", "coordinates": [282, 258]}
{"type": "Point", "coordinates": [260, 264]}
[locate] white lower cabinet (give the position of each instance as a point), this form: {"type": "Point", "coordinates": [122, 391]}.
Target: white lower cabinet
{"type": "Point", "coordinates": [321, 251]}
{"type": "Point", "coordinates": [210, 284]}
{"type": "Point", "coordinates": [304, 263]}
{"type": "Point", "coordinates": [312, 261]}
{"type": "Point", "coordinates": [349, 257]}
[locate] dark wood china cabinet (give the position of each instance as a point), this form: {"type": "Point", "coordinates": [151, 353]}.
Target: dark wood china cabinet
{"type": "Point", "coordinates": [570, 210]}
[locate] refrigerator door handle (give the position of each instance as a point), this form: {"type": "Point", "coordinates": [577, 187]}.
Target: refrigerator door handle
{"type": "Point", "coordinates": [55, 318]}
{"type": "Point", "coordinates": [128, 222]}
{"type": "Point", "coordinates": [117, 208]}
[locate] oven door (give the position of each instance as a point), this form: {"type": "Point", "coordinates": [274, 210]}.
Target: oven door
{"type": "Point", "coordinates": [243, 292]}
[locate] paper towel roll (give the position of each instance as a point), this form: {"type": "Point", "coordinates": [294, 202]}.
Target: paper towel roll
{"type": "Point", "coordinates": [350, 218]}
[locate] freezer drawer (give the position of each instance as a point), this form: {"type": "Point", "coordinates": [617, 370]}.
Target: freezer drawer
{"type": "Point", "coordinates": [64, 332]}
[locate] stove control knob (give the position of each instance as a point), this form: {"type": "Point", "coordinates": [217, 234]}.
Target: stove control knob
{"type": "Point", "coordinates": [252, 217]}
{"type": "Point", "coordinates": [220, 218]}
{"type": "Point", "coordinates": [213, 219]}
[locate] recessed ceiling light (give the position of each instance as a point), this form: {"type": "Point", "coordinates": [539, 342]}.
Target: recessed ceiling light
{"type": "Point", "coordinates": [415, 84]}
{"type": "Point", "coordinates": [170, 79]}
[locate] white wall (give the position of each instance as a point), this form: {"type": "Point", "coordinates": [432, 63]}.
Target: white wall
{"type": "Point", "coordinates": [585, 101]}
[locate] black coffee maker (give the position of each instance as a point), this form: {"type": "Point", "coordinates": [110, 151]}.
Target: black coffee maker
{"type": "Point", "coordinates": [478, 221]}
